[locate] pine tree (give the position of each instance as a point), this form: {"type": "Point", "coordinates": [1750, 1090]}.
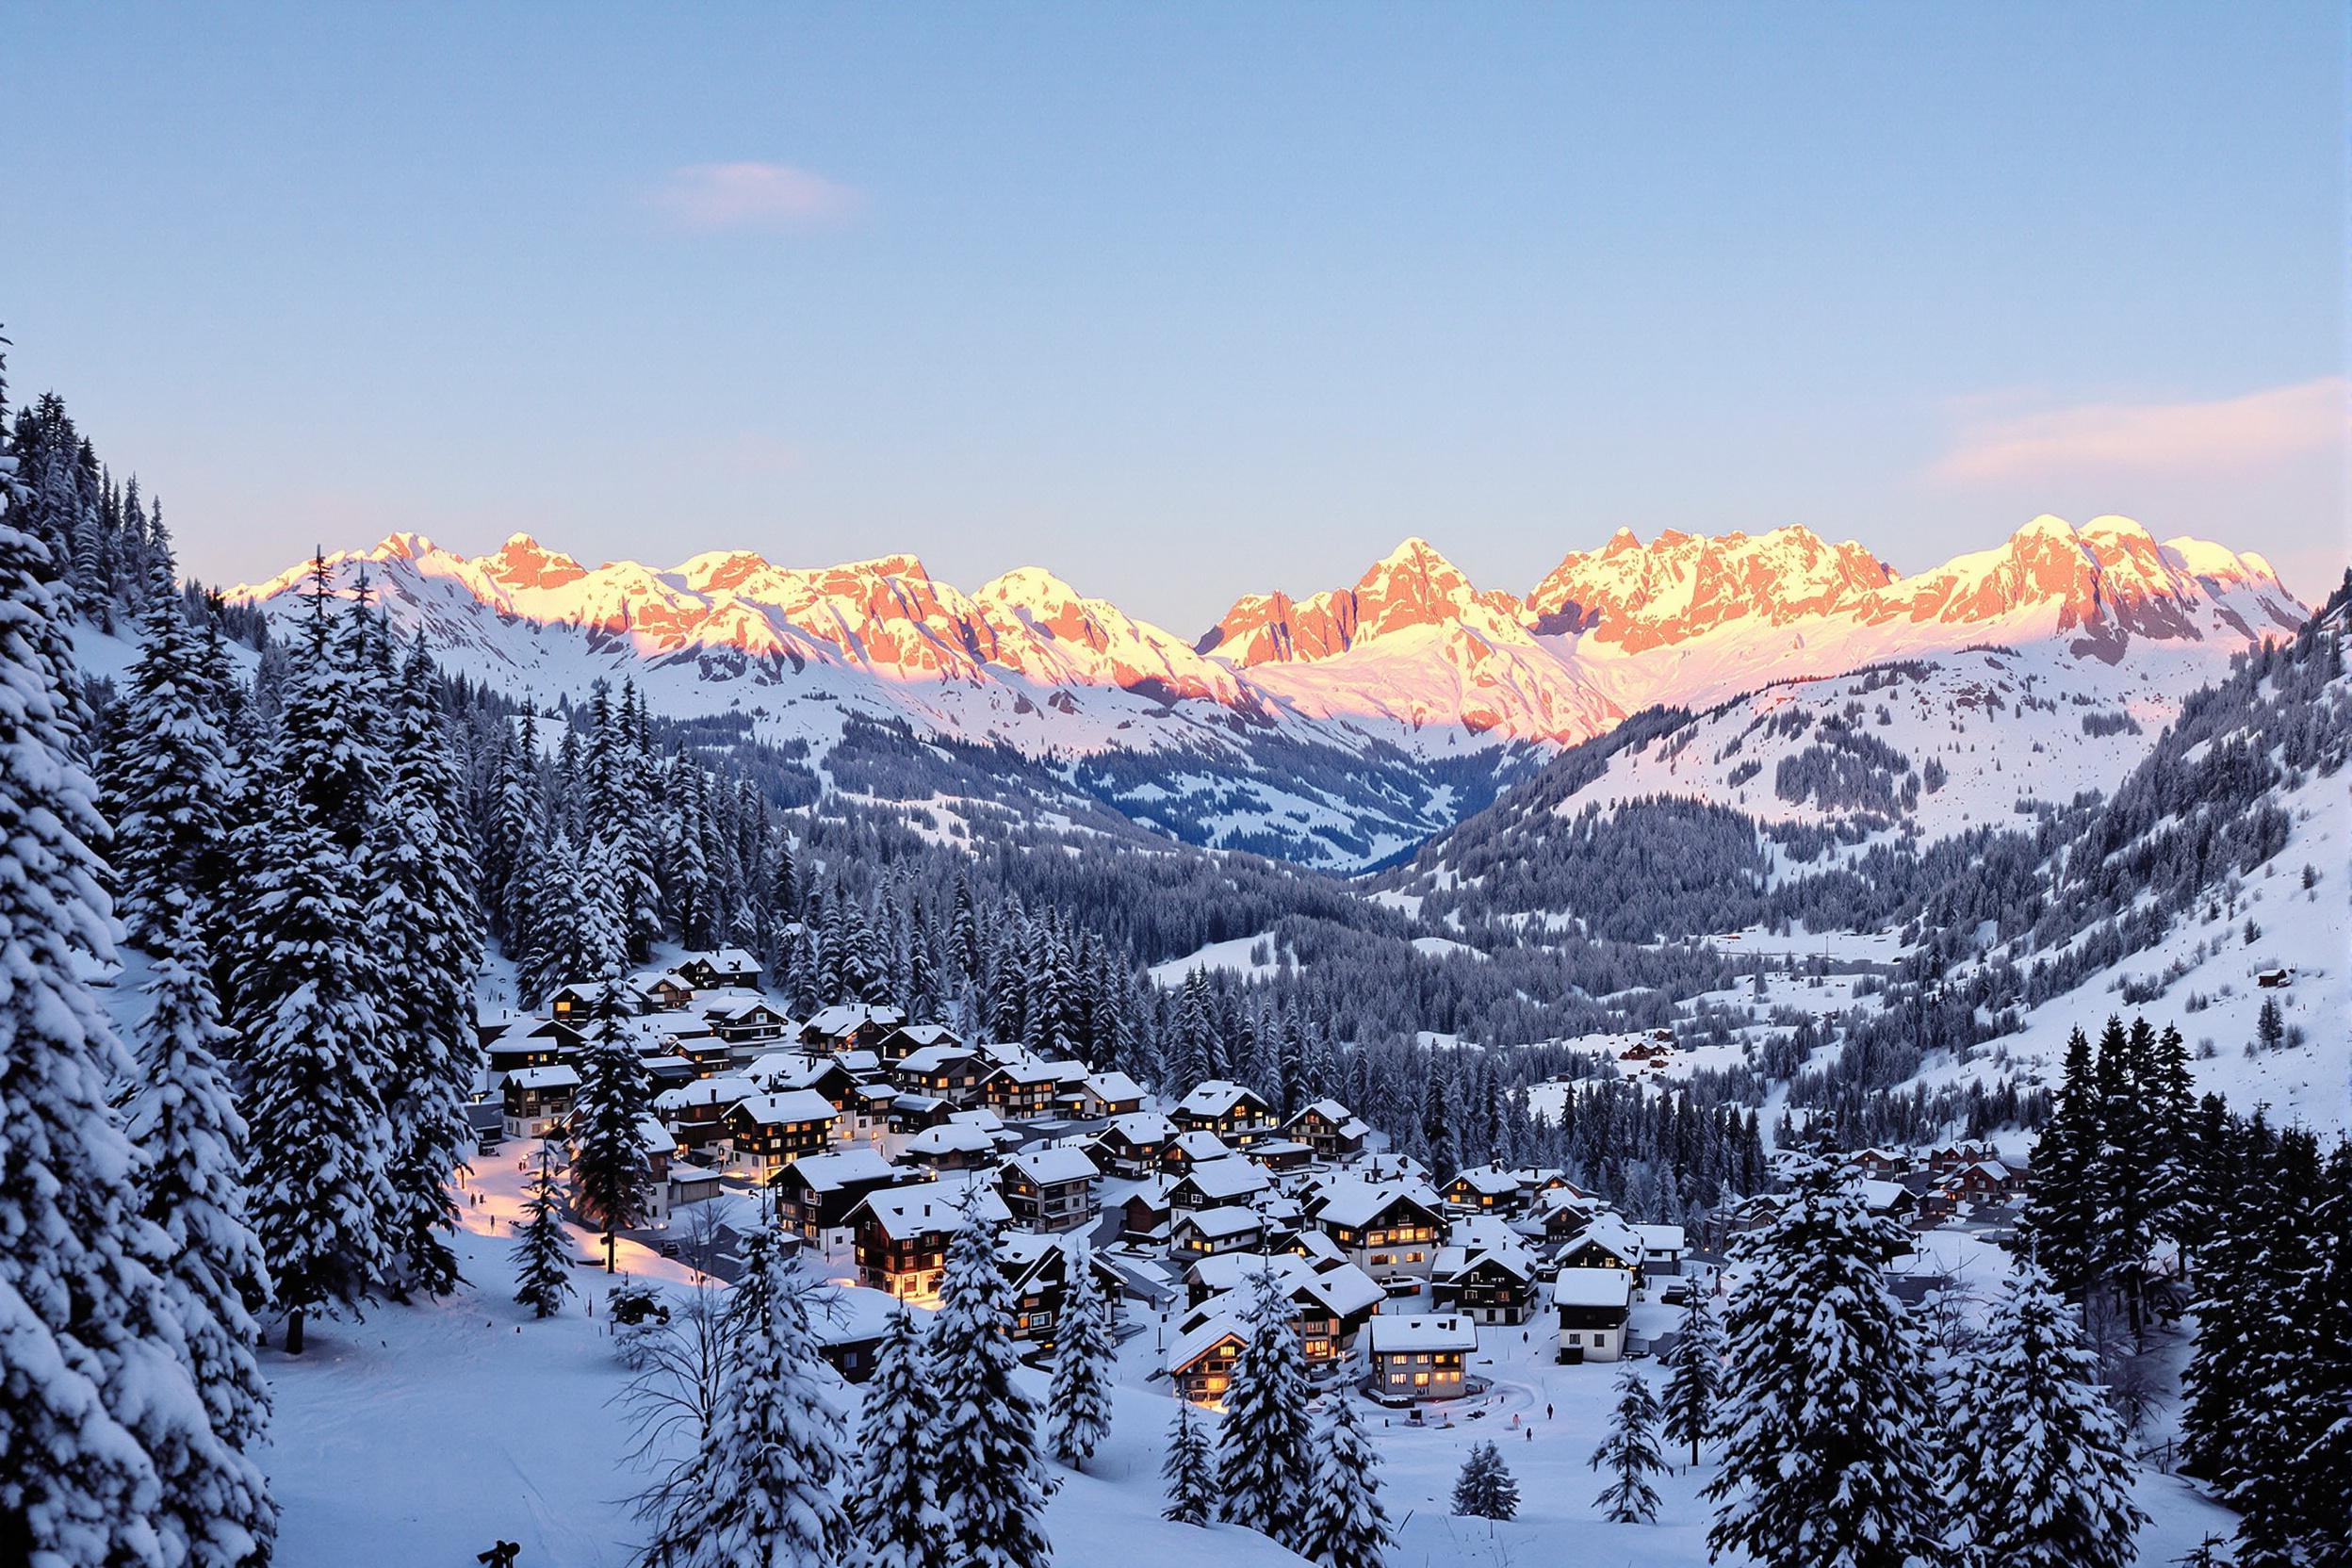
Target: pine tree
{"type": "Point", "coordinates": [543, 1254]}
{"type": "Point", "coordinates": [2037, 1475]}
{"type": "Point", "coordinates": [1695, 1380]}
{"type": "Point", "coordinates": [986, 1457]}
{"type": "Point", "coordinates": [763, 1490]}
{"type": "Point", "coordinates": [101, 1421]}
{"type": "Point", "coordinates": [1486, 1488]}
{"type": "Point", "coordinates": [191, 1151]}
{"type": "Point", "coordinates": [894, 1518]}
{"type": "Point", "coordinates": [1188, 1471]}
{"type": "Point", "coordinates": [1345, 1527]}
{"type": "Point", "coordinates": [320, 1184]}
{"type": "Point", "coordinates": [1826, 1462]}
{"type": "Point", "coordinates": [1263, 1458]}
{"type": "Point", "coordinates": [2061, 1216]}
{"type": "Point", "coordinates": [1078, 1404]}
{"type": "Point", "coordinates": [165, 770]}
{"type": "Point", "coordinates": [1629, 1454]}
{"type": "Point", "coordinates": [611, 1172]}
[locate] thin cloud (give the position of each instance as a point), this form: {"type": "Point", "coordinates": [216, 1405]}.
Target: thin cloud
{"type": "Point", "coordinates": [755, 196]}
{"type": "Point", "coordinates": [2224, 435]}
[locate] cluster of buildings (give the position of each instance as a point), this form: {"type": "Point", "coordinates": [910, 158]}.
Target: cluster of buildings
{"type": "Point", "coordinates": [873, 1140]}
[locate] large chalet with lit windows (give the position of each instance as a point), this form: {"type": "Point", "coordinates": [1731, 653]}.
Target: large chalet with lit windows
{"type": "Point", "coordinates": [1234, 1112]}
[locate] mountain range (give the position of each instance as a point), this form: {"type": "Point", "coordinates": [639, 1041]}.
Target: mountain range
{"type": "Point", "coordinates": [1341, 729]}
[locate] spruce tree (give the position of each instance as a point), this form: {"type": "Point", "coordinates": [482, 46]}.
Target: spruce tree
{"type": "Point", "coordinates": [2037, 1475]}
{"type": "Point", "coordinates": [2061, 1216]}
{"type": "Point", "coordinates": [100, 1418]}
{"type": "Point", "coordinates": [1078, 1403]}
{"type": "Point", "coordinates": [1262, 1456]}
{"type": "Point", "coordinates": [1188, 1470]}
{"type": "Point", "coordinates": [1695, 1378]}
{"type": "Point", "coordinates": [894, 1518]}
{"type": "Point", "coordinates": [1486, 1488]}
{"type": "Point", "coordinates": [1345, 1527]}
{"type": "Point", "coordinates": [191, 1152]}
{"type": "Point", "coordinates": [991, 1482]}
{"type": "Point", "coordinates": [763, 1490]}
{"type": "Point", "coordinates": [1828, 1405]}
{"type": "Point", "coordinates": [611, 1172]}
{"type": "Point", "coordinates": [1629, 1454]}
{"type": "Point", "coordinates": [543, 1252]}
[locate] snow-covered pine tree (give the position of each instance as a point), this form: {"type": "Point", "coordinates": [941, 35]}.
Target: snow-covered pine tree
{"type": "Point", "coordinates": [95, 1392]}
{"type": "Point", "coordinates": [2036, 1471]}
{"type": "Point", "coordinates": [425, 930]}
{"type": "Point", "coordinates": [543, 1251]}
{"type": "Point", "coordinates": [895, 1519]}
{"type": "Point", "coordinates": [1262, 1453]}
{"type": "Point", "coordinates": [1345, 1527]}
{"type": "Point", "coordinates": [320, 1185]}
{"type": "Point", "coordinates": [1828, 1405]}
{"type": "Point", "coordinates": [991, 1482]}
{"type": "Point", "coordinates": [611, 1172]}
{"type": "Point", "coordinates": [2062, 1213]}
{"type": "Point", "coordinates": [762, 1491]}
{"type": "Point", "coordinates": [1486, 1488]}
{"type": "Point", "coordinates": [1695, 1378]}
{"type": "Point", "coordinates": [1629, 1454]}
{"type": "Point", "coordinates": [1188, 1470]}
{"type": "Point", "coordinates": [165, 772]}
{"type": "Point", "coordinates": [191, 1154]}
{"type": "Point", "coordinates": [1078, 1404]}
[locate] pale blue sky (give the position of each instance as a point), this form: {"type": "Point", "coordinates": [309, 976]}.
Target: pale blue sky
{"type": "Point", "coordinates": [1187, 300]}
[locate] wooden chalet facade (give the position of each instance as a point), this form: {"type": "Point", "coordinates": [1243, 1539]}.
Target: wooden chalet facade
{"type": "Point", "coordinates": [816, 1195]}
{"type": "Point", "coordinates": [768, 1130]}
{"type": "Point", "coordinates": [1329, 1128]}
{"type": "Point", "coordinates": [1234, 1112]}
{"type": "Point", "coordinates": [1049, 1189]}
{"type": "Point", "coordinates": [538, 1100]}
{"type": "Point", "coordinates": [1419, 1358]}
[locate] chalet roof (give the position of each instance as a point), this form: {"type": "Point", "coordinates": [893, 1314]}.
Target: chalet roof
{"type": "Point", "coordinates": [931, 1058]}
{"type": "Point", "coordinates": [1475, 1232]}
{"type": "Point", "coordinates": [1329, 1110]}
{"type": "Point", "coordinates": [706, 1091]}
{"type": "Point", "coordinates": [1658, 1240]}
{"type": "Point", "coordinates": [1344, 1291]}
{"type": "Point", "coordinates": [851, 1315]}
{"type": "Point", "coordinates": [835, 1171]}
{"type": "Point", "coordinates": [1394, 1333]}
{"type": "Point", "coordinates": [740, 1010]}
{"type": "Point", "coordinates": [925, 1034]}
{"type": "Point", "coordinates": [1209, 1329]}
{"type": "Point", "coordinates": [845, 1018]}
{"type": "Point", "coordinates": [771, 1110]}
{"type": "Point", "coordinates": [1597, 1288]}
{"type": "Point", "coordinates": [1229, 1176]}
{"type": "Point", "coordinates": [1050, 1165]}
{"type": "Point", "coordinates": [1451, 1263]}
{"type": "Point", "coordinates": [1141, 1127]}
{"type": "Point", "coordinates": [951, 1137]}
{"type": "Point", "coordinates": [1611, 1234]}
{"type": "Point", "coordinates": [1486, 1179]}
{"type": "Point", "coordinates": [904, 1212]}
{"type": "Point", "coordinates": [1026, 1072]}
{"type": "Point", "coordinates": [1201, 1146]}
{"type": "Point", "coordinates": [1356, 1204]}
{"type": "Point", "coordinates": [1231, 1219]}
{"type": "Point", "coordinates": [1113, 1087]}
{"type": "Point", "coordinates": [733, 960]}
{"type": "Point", "coordinates": [1225, 1271]}
{"type": "Point", "coordinates": [1218, 1097]}
{"type": "Point", "coordinates": [655, 1136]}
{"type": "Point", "coordinates": [554, 1077]}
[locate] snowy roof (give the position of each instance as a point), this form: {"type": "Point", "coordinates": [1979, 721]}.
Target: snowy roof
{"type": "Point", "coordinates": [1200, 1146]}
{"type": "Point", "coordinates": [1354, 1203]}
{"type": "Point", "coordinates": [1229, 1176]}
{"type": "Point", "coordinates": [1452, 1262]}
{"type": "Point", "coordinates": [557, 1077]}
{"type": "Point", "coordinates": [849, 1315]}
{"type": "Point", "coordinates": [1050, 1165]}
{"type": "Point", "coordinates": [733, 958]}
{"type": "Point", "coordinates": [842, 1017]}
{"type": "Point", "coordinates": [980, 1116]}
{"type": "Point", "coordinates": [1592, 1287]}
{"type": "Point", "coordinates": [832, 1172]}
{"type": "Point", "coordinates": [1113, 1087]}
{"type": "Point", "coordinates": [1217, 1097]}
{"type": "Point", "coordinates": [1028, 1072]}
{"type": "Point", "coordinates": [1329, 1110]}
{"type": "Point", "coordinates": [655, 1136]}
{"type": "Point", "coordinates": [911, 1211]}
{"type": "Point", "coordinates": [1229, 1220]}
{"type": "Point", "coordinates": [707, 1091]}
{"type": "Point", "coordinates": [770, 1110]}
{"type": "Point", "coordinates": [1209, 1329]}
{"type": "Point", "coordinates": [1610, 1234]}
{"type": "Point", "coordinates": [1345, 1290]}
{"type": "Point", "coordinates": [1141, 1127]}
{"type": "Point", "coordinates": [951, 1137]}
{"type": "Point", "coordinates": [930, 1058]}
{"type": "Point", "coordinates": [1487, 1179]}
{"type": "Point", "coordinates": [1660, 1238]}
{"type": "Point", "coordinates": [1226, 1271]}
{"type": "Point", "coordinates": [1475, 1232]}
{"type": "Point", "coordinates": [927, 1034]}
{"type": "Point", "coordinates": [1394, 1333]}
{"type": "Point", "coordinates": [777, 1067]}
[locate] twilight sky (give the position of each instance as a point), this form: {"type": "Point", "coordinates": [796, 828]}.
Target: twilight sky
{"type": "Point", "coordinates": [1185, 300]}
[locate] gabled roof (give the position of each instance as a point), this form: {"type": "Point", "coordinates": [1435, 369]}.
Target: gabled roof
{"type": "Point", "coordinates": [1201, 1146]}
{"type": "Point", "coordinates": [1329, 1110]}
{"type": "Point", "coordinates": [1025, 1072]}
{"type": "Point", "coordinates": [1231, 1219]}
{"type": "Point", "coordinates": [706, 1091]}
{"type": "Point", "coordinates": [1234, 1176]}
{"type": "Point", "coordinates": [1111, 1086]}
{"type": "Point", "coordinates": [554, 1077]}
{"type": "Point", "coordinates": [770, 1110]}
{"type": "Point", "coordinates": [951, 1137]}
{"type": "Point", "coordinates": [1487, 1179]}
{"type": "Point", "coordinates": [1394, 1333]}
{"type": "Point", "coordinates": [1209, 1329]}
{"type": "Point", "coordinates": [832, 1172]}
{"type": "Point", "coordinates": [1662, 1238]}
{"type": "Point", "coordinates": [1344, 1291]}
{"type": "Point", "coordinates": [1452, 1263]}
{"type": "Point", "coordinates": [1217, 1097]}
{"type": "Point", "coordinates": [906, 1212]}
{"type": "Point", "coordinates": [931, 1058]}
{"type": "Point", "coordinates": [655, 1138]}
{"type": "Point", "coordinates": [1140, 1127]}
{"type": "Point", "coordinates": [1047, 1166]}
{"type": "Point", "coordinates": [842, 1017]}
{"type": "Point", "coordinates": [1356, 1204]}
{"type": "Point", "coordinates": [1611, 1234]}
{"type": "Point", "coordinates": [925, 1034]}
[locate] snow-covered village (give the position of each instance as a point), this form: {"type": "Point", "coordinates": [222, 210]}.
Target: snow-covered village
{"type": "Point", "coordinates": [1693, 1045]}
